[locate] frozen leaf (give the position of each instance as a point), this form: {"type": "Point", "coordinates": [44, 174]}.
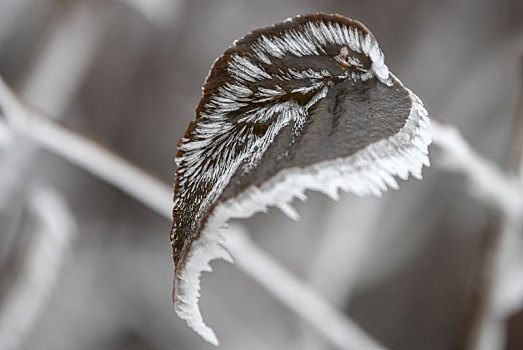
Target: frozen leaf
{"type": "Point", "coordinates": [305, 104]}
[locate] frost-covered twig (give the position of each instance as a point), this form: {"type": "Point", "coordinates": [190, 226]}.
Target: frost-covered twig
{"type": "Point", "coordinates": [85, 153]}
{"type": "Point", "coordinates": [35, 266]}
{"type": "Point", "coordinates": [156, 195]}
{"type": "Point", "coordinates": [489, 182]}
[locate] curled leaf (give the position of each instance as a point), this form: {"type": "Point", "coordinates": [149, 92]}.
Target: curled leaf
{"type": "Point", "coordinates": [305, 104]}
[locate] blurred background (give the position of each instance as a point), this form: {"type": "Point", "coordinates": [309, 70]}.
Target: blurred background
{"type": "Point", "coordinates": [129, 74]}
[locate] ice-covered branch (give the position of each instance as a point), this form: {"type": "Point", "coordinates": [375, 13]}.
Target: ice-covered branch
{"type": "Point", "coordinates": [85, 153]}
{"type": "Point", "coordinates": [35, 265]}
{"type": "Point", "coordinates": [157, 196]}
{"type": "Point", "coordinates": [489, 182]}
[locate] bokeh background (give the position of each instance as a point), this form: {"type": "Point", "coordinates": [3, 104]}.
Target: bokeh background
{"type": "Point", "coordinates": [129, 74]}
